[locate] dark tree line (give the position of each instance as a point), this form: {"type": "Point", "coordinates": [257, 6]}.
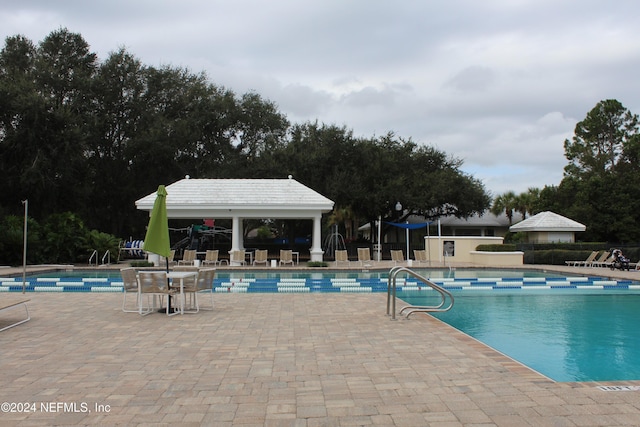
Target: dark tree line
{"type": "Point", "coordinates": [90, 137]}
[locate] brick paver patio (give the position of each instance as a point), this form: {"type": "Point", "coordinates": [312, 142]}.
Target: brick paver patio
{"type": "Point", "coordinates": [275, 360]}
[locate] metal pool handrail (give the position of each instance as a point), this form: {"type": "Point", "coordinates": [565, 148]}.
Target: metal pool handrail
{"type": "Point", "coordinates": [391, 294]}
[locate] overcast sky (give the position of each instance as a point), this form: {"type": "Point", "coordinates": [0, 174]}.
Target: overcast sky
{"type": "Point", "coordinates": [499, 84]}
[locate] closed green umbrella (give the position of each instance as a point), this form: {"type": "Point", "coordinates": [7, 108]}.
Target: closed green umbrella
{"type": "Point", "coordinates": [157, 238]}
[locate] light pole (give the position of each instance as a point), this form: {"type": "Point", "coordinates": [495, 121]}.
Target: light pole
{"type": "Point", "coordinates": [399, 210]}
{"type": "Point", "coordinates": [24, 246]}
{"type": "Point", "coordinates": [379, 248]}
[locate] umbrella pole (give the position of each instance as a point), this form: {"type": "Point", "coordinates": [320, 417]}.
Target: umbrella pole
{"type": "Point", "coordinates": [161, 310]}
{"type": "Point", "coordinates": [168, 284]}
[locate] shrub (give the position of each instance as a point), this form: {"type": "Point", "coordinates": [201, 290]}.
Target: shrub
{"type": "Point", "coordinates": [317, 264]}
{"type": "Point", "coordinates": [141, 264]}
{"type": "Point", "coordinates": [497, 248]}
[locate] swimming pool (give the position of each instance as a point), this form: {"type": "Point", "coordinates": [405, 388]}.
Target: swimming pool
{"type": "Point", "coordinates": [319, 281]}
{"type": "Point", "coordinates": [566, 335]}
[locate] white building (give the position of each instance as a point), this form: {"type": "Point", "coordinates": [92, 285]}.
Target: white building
{"type": "Point", "coordinates": [240, 199]}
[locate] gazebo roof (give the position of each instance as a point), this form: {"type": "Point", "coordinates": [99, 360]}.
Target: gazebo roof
{"type": "Point", "coordinates": [246, 198]}
{"type": "Point", "coordinates": [547, 221]}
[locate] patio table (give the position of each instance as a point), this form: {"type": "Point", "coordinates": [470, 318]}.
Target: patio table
{"type": "Point", "coordinates": [179, 276]}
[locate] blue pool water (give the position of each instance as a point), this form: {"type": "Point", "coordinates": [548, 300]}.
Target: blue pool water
{"type": "Point", "coordinates": [567, 335]}
{"type": "Point", "coordinates": [321, 281]}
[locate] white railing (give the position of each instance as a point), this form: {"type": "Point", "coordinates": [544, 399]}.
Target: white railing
{"type": "Point", "coordinates": [106, 255]}
{"type": "Point", "coordinates": [93, 254]}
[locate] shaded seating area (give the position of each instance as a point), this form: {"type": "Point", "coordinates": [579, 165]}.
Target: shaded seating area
{"type": "Point", "coordinates": [243, 199]}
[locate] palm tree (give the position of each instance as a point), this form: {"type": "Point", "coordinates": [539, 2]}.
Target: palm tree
{"type": "Point", "coordinates": [505, 203]}
{"type": "Point", "coordinates": [526, 201]}
{"type": "Point", "coordinates": [343, 215]}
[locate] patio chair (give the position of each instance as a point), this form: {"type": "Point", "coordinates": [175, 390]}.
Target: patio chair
{"type": "Point", "coordinates": [420, 255]}
{"type": "Point", "coordinates": [170, 260]}
{"type": "Point", "coordinates": [397, 256]}
{"type": "Point", "coordinates": [154, 283]}
{"type": "Point", "coordinates": [130, 286]}
{"type": "Point", "coordinates": [188, 257]}
{"type": "Point", "coordinates": [202, 283]}
{"type": "Point", "coordinates": [342, 256]}
{"type": "Point", "coordinates": [261, 257]}
{"type": "Point", "coordinates": [286, 256]}
{"type": "Point", "coordinates": [238, 257]}
{"type": "Point", "coordinates": [211, 257]}
{"type": "Point", "coordinates": [364, 255]}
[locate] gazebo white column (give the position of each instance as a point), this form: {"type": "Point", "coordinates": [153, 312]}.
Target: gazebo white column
{"type": "Point", "coordinates": [316, 239]}
{"type": "Point", "coordinates": [235, 234]}
{"type": "Point", "coordinates": [236, 237]}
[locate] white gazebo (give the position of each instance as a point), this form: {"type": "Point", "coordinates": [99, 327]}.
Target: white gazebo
{"type": "Point", "coordinates": [245, 198]}
{"type": "Point", "coordinates": [548, 227]}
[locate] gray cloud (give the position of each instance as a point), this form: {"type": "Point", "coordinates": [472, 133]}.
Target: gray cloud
{"type": "Point", "coordinates": [499, 83]}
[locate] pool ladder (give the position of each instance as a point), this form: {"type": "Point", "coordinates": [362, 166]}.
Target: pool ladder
{"type": "Point", "coordinates": [106, 257]}
{"type": "Point", "coordinates": [410, 309]}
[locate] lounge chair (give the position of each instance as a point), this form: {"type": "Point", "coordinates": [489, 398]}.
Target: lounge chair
{"type": "Point", "coordinates": [7, 304]}
{"type": "Point", "coordinates": [261, 257]}
{"type": "Point", "coordinates": [286, 256]}
{"type": "Point", "coordinates": [603, 261]}
{"type": "Point", "coordinates": [238, 257]}
{"type": "Point", "coordinates": [397, 256]}
{"type": "Point", "coordinates": [211, 257]}
{"type": "Point", "coordinates": [188, 257]}
{"type": "Point", "coordinates": [420, 255]}
{"type": "Point", "coordinates": [586, 263]}
{"type": "Point", "coordinates": [342, 256]}
{"type": "Point", "coordinates": [364, 255]}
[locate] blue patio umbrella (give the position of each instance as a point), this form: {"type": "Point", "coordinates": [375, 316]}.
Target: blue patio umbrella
{"type": "Point", "coordinates": [408, 227]}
